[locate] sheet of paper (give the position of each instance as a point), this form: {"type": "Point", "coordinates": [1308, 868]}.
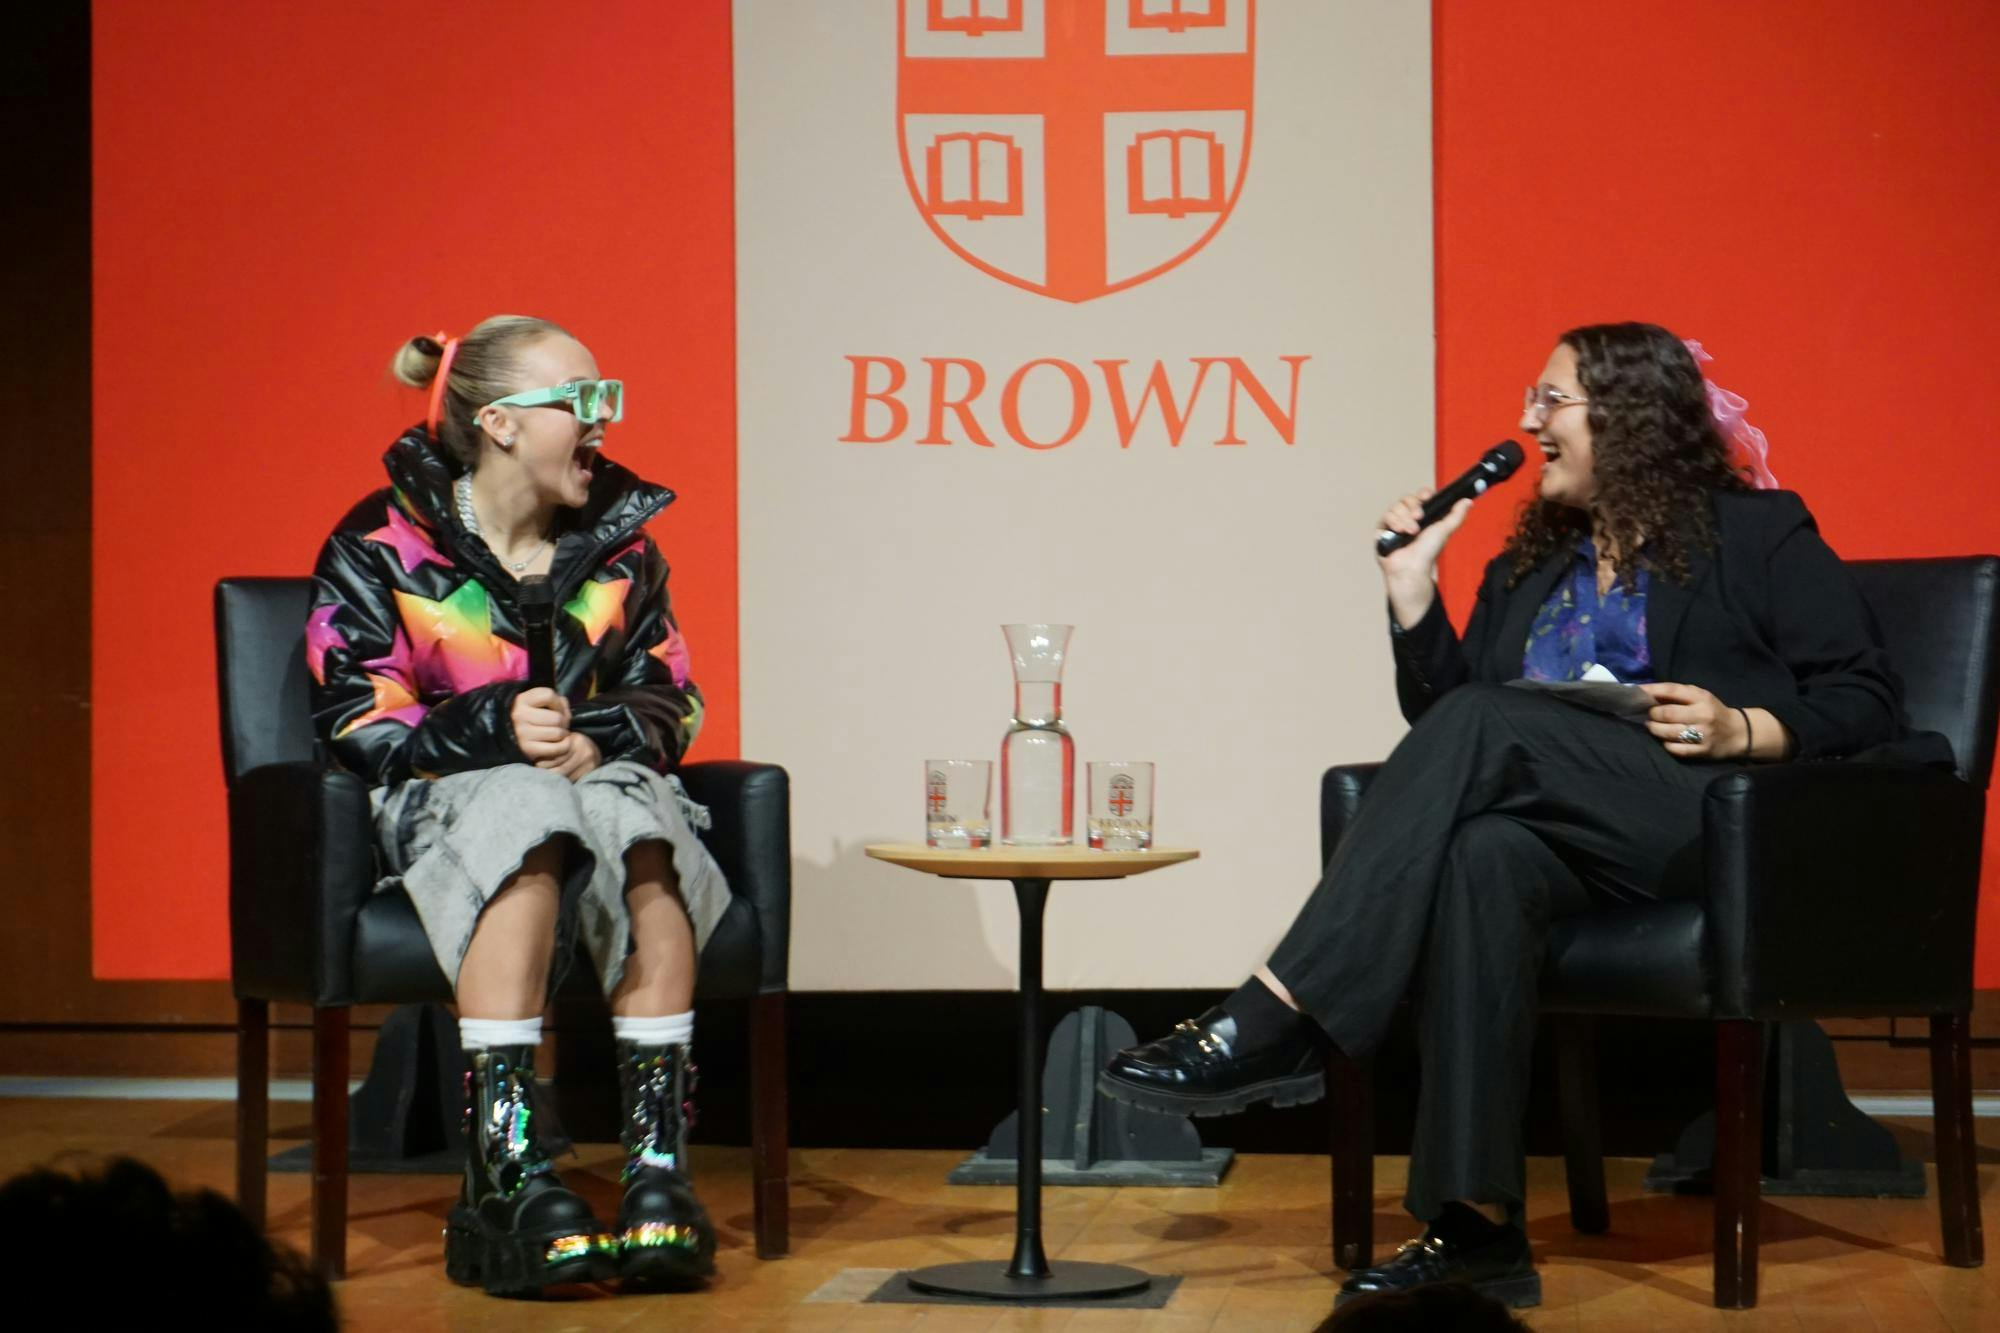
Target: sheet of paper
{"type": "Point", "coordinates": [1626, 701]}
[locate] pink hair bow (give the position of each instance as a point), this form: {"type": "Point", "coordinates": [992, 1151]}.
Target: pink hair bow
{"type": "Point", "coordinates": [1748, 447]}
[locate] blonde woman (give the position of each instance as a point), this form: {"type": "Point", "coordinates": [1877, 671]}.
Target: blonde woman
{"type": "Point", "coordinates": [519, 817]}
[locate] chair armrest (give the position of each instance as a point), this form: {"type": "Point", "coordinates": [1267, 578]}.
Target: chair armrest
{"type": "Point", "coordinates": [1841, 889]}
{"type": "Point", "coordinates": [301, 865]}
{"type": "Point", "coordinates": [1340, 793]}
{"type": "Point", "coordinates": [751, 840]}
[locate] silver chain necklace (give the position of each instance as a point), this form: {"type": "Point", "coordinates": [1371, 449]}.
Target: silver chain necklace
{"type": "Point", "coordinates": [462, 492]}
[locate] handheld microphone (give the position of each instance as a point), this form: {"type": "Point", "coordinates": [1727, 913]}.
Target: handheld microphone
{"type": "Point", "coordinates": [1494, 466]}
{"type": "Point", "coordinates": [538, 625]}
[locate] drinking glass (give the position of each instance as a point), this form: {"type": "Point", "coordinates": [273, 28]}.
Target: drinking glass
{"type": "Point", "coordinates": [1121, 806]}
{"type": "Point", "coordinates": [957, 802]}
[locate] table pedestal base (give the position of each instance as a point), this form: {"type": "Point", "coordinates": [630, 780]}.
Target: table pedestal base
{"type": "Point", "coordinates": [1029, 1277]}
{"type": "Point", "coordinates": [1065, 1281]}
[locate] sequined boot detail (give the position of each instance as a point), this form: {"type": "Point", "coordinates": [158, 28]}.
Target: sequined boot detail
{"type": "Point", "coordinates": [517, 1228]}
{"type": "Point", "coordinates": [666, 1240]}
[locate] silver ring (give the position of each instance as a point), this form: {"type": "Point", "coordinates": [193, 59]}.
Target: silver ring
{"type": "Point", "coordinates": [1690, 736]}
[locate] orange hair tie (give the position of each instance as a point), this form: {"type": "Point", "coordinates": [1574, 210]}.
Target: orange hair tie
{"type": "Point", "coordinates": [432, 417]}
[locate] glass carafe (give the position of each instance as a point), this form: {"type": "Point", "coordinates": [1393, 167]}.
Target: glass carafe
{"type": "Point", "coordinates": [1037, 756]}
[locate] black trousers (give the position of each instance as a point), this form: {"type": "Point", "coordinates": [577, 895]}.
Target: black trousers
{"type": "Point", "coordinates": [1502, 810]}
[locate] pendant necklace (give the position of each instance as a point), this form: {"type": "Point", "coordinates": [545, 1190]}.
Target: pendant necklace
{"type": "Point", "coordinates": [462, 492]}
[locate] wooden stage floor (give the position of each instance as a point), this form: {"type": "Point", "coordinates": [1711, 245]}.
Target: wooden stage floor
{"type": "Point", "coordinates": [1254, 1253]}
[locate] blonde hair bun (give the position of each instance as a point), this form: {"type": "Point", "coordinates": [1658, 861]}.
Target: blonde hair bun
{"type": "Point", "coordinates": [416, 361]}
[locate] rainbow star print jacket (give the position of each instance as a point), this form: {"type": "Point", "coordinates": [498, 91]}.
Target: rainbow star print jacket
{"type": "Point", "coordinates": [415, 639]}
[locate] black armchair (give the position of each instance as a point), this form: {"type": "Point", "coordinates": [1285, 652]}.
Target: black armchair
{"type": "Point", "coordinates": [306, 925]}
{"type": "Point", "coordinates": [1837, 889]}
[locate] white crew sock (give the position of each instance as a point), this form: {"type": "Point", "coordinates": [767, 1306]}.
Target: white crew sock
{"type": "Point", "coordinates": [478, 1034]}
{"type": "Point", "coordinates": [666, 1030]}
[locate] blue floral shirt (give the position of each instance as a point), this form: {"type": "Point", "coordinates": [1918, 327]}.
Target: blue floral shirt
{"type": "Point", "coordinates": [1576, 629]}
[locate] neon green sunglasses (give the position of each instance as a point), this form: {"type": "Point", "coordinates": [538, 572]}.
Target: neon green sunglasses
{"type": "Point", "coordinates": [591, 400]}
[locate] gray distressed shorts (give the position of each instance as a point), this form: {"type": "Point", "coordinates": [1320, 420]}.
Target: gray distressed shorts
{"type": "Point", "coordinates": [451, 842]}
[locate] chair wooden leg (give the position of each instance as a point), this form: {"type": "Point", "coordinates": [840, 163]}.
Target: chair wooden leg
{"type": "Point", "coordinates": [1739, 1159]}
{"type": "Point", "coordinates": [1957, 1151]}
{"type": "Point", "coordinates": [770, 1133]}
{"type": "Point", "coordinates": [253, 1105]}
{"type": "Point", "coordinates": [1583, 1138]}
{"type": "Point", "coordinates": [1350, 1095]}
{"type": "Point", "coordinates": [329, 1142]}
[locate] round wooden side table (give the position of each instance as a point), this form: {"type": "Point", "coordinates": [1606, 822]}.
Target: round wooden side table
{"type": "Point", "coordinates": [1030, 1276]}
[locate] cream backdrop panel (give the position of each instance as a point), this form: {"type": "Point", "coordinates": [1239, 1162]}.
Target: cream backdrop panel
{"type": "Point", "coordinates": [1230, 623]}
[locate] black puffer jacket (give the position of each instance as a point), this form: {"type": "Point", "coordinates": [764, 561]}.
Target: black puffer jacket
{"type": "Point", "coordinates": [415, 639]}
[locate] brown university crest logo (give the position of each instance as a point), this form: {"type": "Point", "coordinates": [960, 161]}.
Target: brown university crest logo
{"type": "Point", "coordinates": [1075, 147]}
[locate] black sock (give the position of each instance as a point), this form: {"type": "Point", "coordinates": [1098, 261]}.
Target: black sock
{"type": "Point", "coordinates": [1462, 1224]}
{"type": "Point", "coordinates": [1262, 1019]}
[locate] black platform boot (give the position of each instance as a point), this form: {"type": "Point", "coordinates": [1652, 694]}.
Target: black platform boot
{"type": "Point", "coordinates": [666, 1240]}
{"type": "Point", "coordinates": [517, 1229]}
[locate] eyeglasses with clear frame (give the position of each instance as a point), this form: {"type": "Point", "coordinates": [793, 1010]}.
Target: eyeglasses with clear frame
{"type": "Point", "coordinates": [591, 400]}
{"type": "Point", "coordinates": [1537, 401]}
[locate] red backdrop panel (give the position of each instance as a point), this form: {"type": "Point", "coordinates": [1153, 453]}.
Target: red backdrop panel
{"type": "Point", "coordinates": [283, 195]}
{"type": "Point", "coordinates": [1807, 186]}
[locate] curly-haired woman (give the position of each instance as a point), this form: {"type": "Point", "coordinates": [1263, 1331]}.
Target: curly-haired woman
{"type": "Point", "coordinates": [519, 818]}
{"type": "Point", "coordinates": [1647, 558]}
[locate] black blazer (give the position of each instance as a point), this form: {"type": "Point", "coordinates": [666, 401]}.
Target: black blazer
{"type": "Point", "coordinates": [1769, 619]}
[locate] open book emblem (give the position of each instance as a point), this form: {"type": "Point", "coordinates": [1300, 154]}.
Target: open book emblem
{"type": "Point", "coordinates": [1075, 147]}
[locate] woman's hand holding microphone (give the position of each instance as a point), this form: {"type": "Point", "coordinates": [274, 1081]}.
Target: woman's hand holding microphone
{"type": "Point", "coordinates": [1409, 573]}
{"type": "Point", "coordinates": [541, 727]}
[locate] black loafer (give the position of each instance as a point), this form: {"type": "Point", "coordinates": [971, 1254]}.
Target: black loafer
{"type": "Point", "coordinates": [1195, 1070]}
{"type": "Point", "coordinates": [1502, 1268]}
